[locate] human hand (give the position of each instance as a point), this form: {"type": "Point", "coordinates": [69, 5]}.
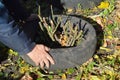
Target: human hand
{"type": "Point", "coordinates": [40, 56]}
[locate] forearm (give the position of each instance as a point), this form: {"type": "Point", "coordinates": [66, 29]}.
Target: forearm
{"type": "Point", "coordinates": [15, 39]}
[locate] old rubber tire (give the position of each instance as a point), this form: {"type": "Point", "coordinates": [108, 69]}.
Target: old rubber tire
{"type": "Point", "coordinates": [74, 4]}
{"type": "Point", "coordinates": [75, 56]}
{"type": "Point", "coordinates": [84, 4]}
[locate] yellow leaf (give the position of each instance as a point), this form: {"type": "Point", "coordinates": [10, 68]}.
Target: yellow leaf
{"type": "Point", "coordinates": [109, 72]}
{"type": "Point", "coordinates": [94, 78]}
{"type": "Point", "coordinates": [96, 56]}
{"type": "Point", "coordinates": [23, 69]}
{"type": "Point", "coordinates": [10, 51]}
{"type": "Point", "coordinates": [110, 37]}
{"type": "Point", "coordinates": [63, 77]}
{"type": "Point", "coordinates": [110, 57]}
{"type": "Point", "coordinates": [106, 49]}
{"type": "Point", "coordinates": [109, 32]}
{"type": "Point", "coordinates": [70, 10]}
{"type": "Point", "coordinates": [103, 5]}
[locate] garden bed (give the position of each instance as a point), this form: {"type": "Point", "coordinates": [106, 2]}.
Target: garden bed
{"type": "Point", "coordinates": [103, 66]}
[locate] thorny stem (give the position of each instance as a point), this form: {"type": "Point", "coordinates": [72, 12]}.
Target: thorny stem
{"type": "Point", "coordinates": [72, 33]}
{"type": "Point", "coordinates": [74, 37]}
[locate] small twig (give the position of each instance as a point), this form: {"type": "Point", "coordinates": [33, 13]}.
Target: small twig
{"type": "Point", "coordinates": [70, 34]}
{"type": "Point", "coordinates": [56, 27]}
{"type": "Point", "coordinates": [52, 14]}
{"type": "Point", "coordinates": [75, 34]}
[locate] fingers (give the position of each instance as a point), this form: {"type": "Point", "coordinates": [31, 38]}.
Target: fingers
{"type": "Point", "coordinates": [46, 48]}
{"type": "Point", "coordinates": [40, 56]}
{"type": "Point", "coordinates": [50, 59]}
{"type": "Point", "coordinates": [41, 64]}
{"type": "Point", "coordinates": [46, 61]}
{"type": "Point", "coordinates": [48, 56]}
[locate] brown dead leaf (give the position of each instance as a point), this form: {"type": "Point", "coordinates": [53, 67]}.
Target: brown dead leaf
{"type": "Point", "coordinates": [117, 8]}
{"type": "Point", "coordinates": [26, 77]}
{"type": "Point", "coordinates": [99, 21]}
{"type": "Point", "coordinates": [105, 43]}
{"type": "Point", "coordinates": [117, 42]}
{"type": "Point", "coordinates": [117, 47]}
{"type": "Point", "coordinates": [63, 40]}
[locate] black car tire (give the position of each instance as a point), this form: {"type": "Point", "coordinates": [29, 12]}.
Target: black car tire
{"type": "Point", "coordinates": [75, 56]}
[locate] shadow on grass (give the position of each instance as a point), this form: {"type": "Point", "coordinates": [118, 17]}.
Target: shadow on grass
{"type": "Point", "coordinates": [3, 53]}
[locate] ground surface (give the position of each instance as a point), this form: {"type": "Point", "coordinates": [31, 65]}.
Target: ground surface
{"type": "Point", "coordinates": [105, 64]}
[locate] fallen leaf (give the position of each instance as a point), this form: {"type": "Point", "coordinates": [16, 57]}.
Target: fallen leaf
{"type": "Point", "coordinates": [106, 49]}
{"type": "Point", "coordinates": [26, 77]}
{"type": "Point", "coordinates": [109, 72]}
{"type": "Point", "coordinates": [110, 57]}
{"type": "Point", "coordinates": [99, 21]}
{"type": "Point", "coordinates": [104, 44]}
{"type": "Point", "coordinates": [94, 77]}
{"type": "Point", "coordinates": [70, 10]}
{"type": "Point", "coordinates": [63, 40]}
{"type": "Point", "coordinates": [63, 76]}
{"type": "Point", "coordinates": [96, 56]}
{"type": "Point", "coordinates": [117, 47]}
{"type": "Point", "coordinates": [104, 5]}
